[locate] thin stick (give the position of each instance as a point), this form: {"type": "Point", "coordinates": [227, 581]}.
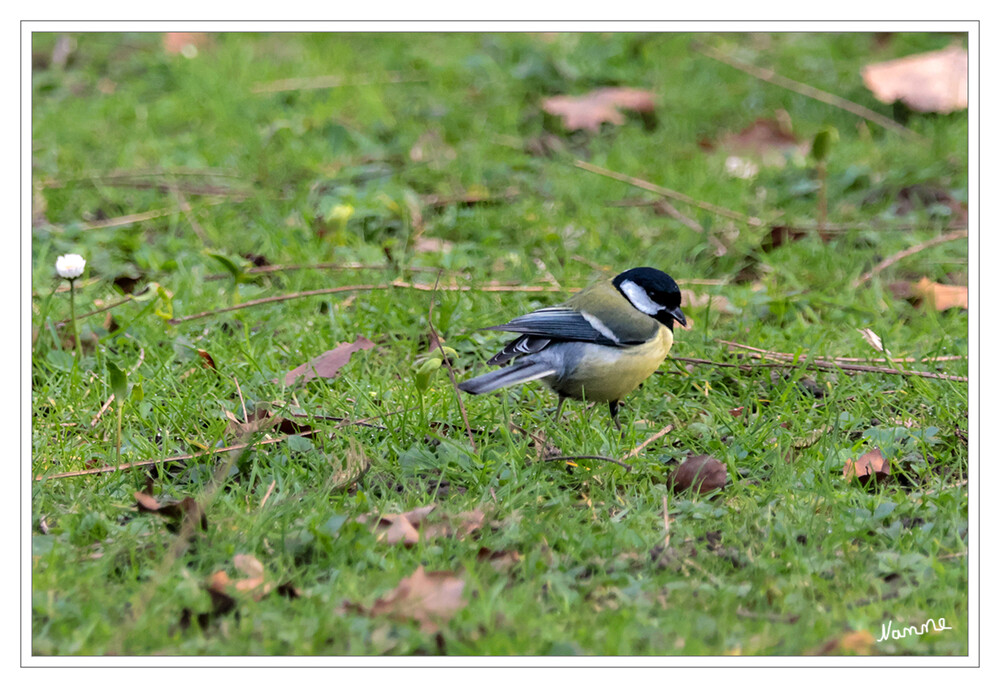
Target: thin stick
{"type": "Point", "coordinates": [268, 269]}
{"type": "Point", "coordinates": [184, 457]}
{"type": "Point", "coordinates": [895, 258]}
{"type": "Point", "coordinates": [658, 435]}
{"type": "Point", "coordinates": [332, 81]}
{"type": "Point", "coordinates": [772, 77]}
{"type": "Point", "coordinates": [594, 457]}
{"type": "Point", "coordinates": [126, 220]}
{"type": "Point", "coordinates": [169, 459]}
{"type": "Point", "coordinates": [451, 372]}
{"type": "Point", "coordinates": [98, 310]}
{"type": "Point", "coordinates": [268, 493]}
{"type": "Point", "coordinates": [360, 287]}
{"type": "Point", "coordinates": [875, 223]}
{"type": "Point", "coordinates": [246, 418]}
{"type": "Point", "coordinates": [100, 413]}
{"type": "Point", "coordinates": [279, 298]}
{"type": "Point", "coordinates": [670, 193]}
{"type": "Point", "coordinates": [787, 361]}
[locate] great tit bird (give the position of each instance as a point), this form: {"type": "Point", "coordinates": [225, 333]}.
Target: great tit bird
{"type": "Point", "coordinates": [599, 345]}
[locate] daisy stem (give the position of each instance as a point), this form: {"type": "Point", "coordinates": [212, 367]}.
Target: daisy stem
{"type": "Point", "coordinates": [72, 319]}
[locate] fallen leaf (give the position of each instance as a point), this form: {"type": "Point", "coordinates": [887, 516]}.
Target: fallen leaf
{"type": "Point", "coordinates": [873, 339]}
{"type": "Point", "coordinates": [186, 44]}
{"type": "Point", "coordinates": [409, 527]}
{"type": "Point", "coordinates": [767, 141]}
{"type": "Point", "coordinates": [701, 472]}
{"type": "Point", "coordinates": [327, 364]}
{"type": "Point", "coordinates": [942, 296]}
{"type": "Point", "coordinates": [850, 643]}
{"type": "Point", "coordinates": [591, 110]}
{"type": "Point", "coordinates": [936, 81]}
{"type": "Point", "coordinates": [501, 560]}
{"type": "Point", "coordinates": [248, 565]}
{"type": "Point", "coordinates": [175, 512]}
{"type": "Point", "coordinates": [262, 420]}
{"type": "Point", "coordinates": [715, 302]}
{"type": "Point", "coordinates": [426, 597]}
{"type": "Point", "coordinates": [780, 235]}
{"type": "Point", "coordinates": [870, 469]}
{"type": "Point", "coordinates": [207, 359]}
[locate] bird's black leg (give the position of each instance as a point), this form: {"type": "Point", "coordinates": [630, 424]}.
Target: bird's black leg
{"type": "Point", "coordinates": [613, 407]}
{"type": "Point", "coordinates": [559, 407]}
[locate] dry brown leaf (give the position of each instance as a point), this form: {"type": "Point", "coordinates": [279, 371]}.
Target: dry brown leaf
{"type": "Point", "coordinates": [262, 420]}
{"type": "Point", "coordinates": [207, 359]}
{"type": "Point", "coordinates": [767, 141]}
{"type": "Point", "coordinates": [873, 339]}
{"type": "Point", "coordinates": [409, 527]}
{"type": "Point", "coordinates": [780, 235]}
{"type": "Point", "coordinates": [187, 44]}
{"type": "Point", "coordinates": [870, 469]}
{"type": "Point", "coordinates": [702, 472]}
{"type": "Point", "coordinates": [592, 109]}
{"type": "Point", "coordinates": [850, 643]}
{"type": "Point", "coordinates": [426, 597]}
{"type": "Point", "coordinates": [936, 81]}
{"type": "Point", "coordinates": [248, 565]}
{"type": "Point", "coordinates": [942, 296]}
{"type": "Point", "coordinates": [715, 302]}
{"type": "Point", "coordinates": [327, 364]}
{"type": "Point", "coordinates": [501, 560]}
{"type": "Point", "coordinates": [175, 512]}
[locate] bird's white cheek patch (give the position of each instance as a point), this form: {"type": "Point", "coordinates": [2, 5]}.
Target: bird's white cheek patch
{"type": "Point", "coordinates": [596, 323]}
{"type": "Point", "coordinates": [639, 298]}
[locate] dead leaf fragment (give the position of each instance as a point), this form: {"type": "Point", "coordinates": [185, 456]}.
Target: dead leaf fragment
{"type": "Point", "coordinates": [850, 643]}
{"type": "Point", "coordinates": [426, 597]}
{"type": "Point", "coordinates": [186, 44]}
{"type": "Point", "coordinates": [873, 339]}
{"type": "Point", "coordinates": [591, 110]}
{"type": "Point", "coordinates": [702, 472]}
{"type": "Point", "coordinates": [942, 296]}
{"type": "Point", "coordinates": [936, 81]}
{"type": "Point", "coordinates": [175, 512]}
{"type": "Point", "coordinates": [207, 359]}
{"type": "Point", "coordinates": [262, 420]}
{"type": "Point", "coordinates": [767, 141]}
{"type": "Point", "coordinates": [870, 469]}
{"type": "Point", "coordinates": [327, 364]}
{"type": "Point", "coordinates": [501, 560]}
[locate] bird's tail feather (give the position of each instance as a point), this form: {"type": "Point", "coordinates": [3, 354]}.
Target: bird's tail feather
{"type": "Point", "coordinates": [511, 375]}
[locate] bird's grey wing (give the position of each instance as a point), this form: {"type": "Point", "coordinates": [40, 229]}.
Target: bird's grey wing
{"type": "Point", "coordinates": [559, 323]}
{"type": "Point", "coordinates": [525, 344]}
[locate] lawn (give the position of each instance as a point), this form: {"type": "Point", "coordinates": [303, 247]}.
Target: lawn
{"type": "Point", "coordinates": [419, 184]}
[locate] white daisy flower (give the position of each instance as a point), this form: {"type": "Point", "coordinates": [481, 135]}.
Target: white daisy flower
{"type": "Point", "coordinates": [70, 266]}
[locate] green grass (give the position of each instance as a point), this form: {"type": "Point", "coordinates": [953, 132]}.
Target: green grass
{"type": "Point", "coordinates": [788, 556]}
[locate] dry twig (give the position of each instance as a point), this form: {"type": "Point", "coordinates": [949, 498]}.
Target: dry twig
{"type": "Point", "coordinates": [658, 435]}
{"type": "Point", "coordinates": [770, 76]}
{"type": "Point", "coordinates": [895, 258]}
{"type": "Point", "coordinates": [670, 193]}
{"type": "Point", "coordinates": [788, 360]}
{"type": "Point", "coordinates": [594, 457]}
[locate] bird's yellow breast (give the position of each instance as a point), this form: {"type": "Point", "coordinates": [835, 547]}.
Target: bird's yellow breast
{"type": "Point", "coordinates": [607, 373]}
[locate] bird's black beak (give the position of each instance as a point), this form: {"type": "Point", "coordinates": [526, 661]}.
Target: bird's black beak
{"type": "Point", "coordinates": [677, 315]}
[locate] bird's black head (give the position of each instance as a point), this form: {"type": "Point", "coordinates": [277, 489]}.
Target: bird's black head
{"type": "Point", "coordinates": [653, 292]}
